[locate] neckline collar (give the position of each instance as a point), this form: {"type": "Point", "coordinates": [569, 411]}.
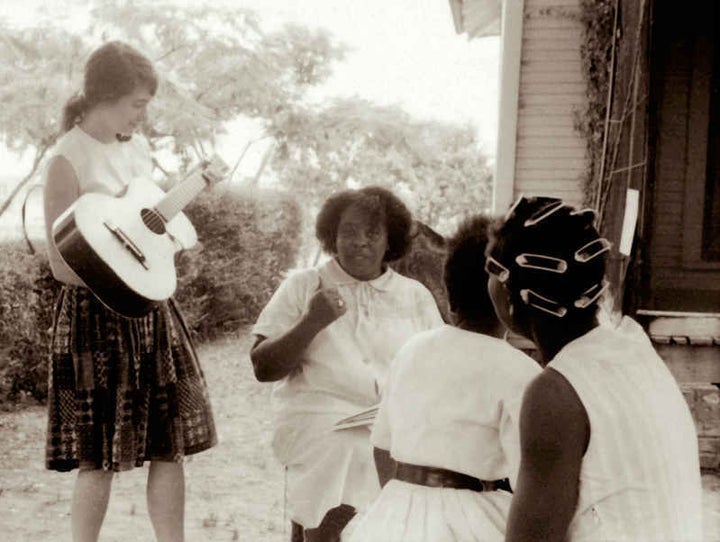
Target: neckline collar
{"type": "Point", "coordinates": [336, 274]}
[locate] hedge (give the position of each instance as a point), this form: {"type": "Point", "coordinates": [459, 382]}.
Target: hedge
{"type": "Point", "coordinates": [249, 238]}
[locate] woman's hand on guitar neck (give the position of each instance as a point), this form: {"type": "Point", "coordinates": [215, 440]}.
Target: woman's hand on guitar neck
{"type": "Point", "coordinates": [214, 170]}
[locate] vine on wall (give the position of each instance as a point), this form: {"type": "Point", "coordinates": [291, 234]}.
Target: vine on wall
{"type": "Point", "coordinates": [597, 19]}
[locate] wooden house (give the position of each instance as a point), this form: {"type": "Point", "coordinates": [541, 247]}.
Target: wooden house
{"type": "Point", "coordinates": [651, 166]}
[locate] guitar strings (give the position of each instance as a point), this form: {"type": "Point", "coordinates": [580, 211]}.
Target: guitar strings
{"type": "Point", "coordinates": [175, 201]}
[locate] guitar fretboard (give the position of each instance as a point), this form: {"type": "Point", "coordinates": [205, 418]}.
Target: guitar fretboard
{"type": "Point", "coordinates": [180, 195]}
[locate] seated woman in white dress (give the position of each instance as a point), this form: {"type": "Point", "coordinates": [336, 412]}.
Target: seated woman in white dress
{"type": "Point", "coordinates": [448, 418]}
{"type": "Point", "coordinates": [326, 338]}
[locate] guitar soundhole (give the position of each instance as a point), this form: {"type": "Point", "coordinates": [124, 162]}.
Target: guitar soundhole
{"type": "Point", "coordinates": [153, 220]}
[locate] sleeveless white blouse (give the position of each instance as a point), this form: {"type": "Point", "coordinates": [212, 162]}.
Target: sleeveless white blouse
{"type": "Point", "coordinates": [105, 168]}
{"type": "Point", "coordinates": [640, 476]}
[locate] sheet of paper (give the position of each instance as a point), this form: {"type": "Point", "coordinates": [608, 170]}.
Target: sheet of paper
{"type": "Point", "coordinates": [632, 202]}
{"type": "Point", "coordinates": [364, 417]}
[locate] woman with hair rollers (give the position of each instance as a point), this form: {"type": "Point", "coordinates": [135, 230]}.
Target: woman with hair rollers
{"type": "Point", "coordinates": [608, 445]}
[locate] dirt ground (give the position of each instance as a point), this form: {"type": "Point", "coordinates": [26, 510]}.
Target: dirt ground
{"type": "Point", "coordinates": [234, 491]}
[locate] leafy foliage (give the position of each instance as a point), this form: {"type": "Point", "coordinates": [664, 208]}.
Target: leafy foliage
{"type": "Point", "coordinates": [214, 64]}
{"type": "Point", "coordinates": [597, 17]}
{"type": "Point", "coordinates": [425, 262]}
{"type": "Point", "coordinates": [27, 294]}
{"type": "Point", "coordinates": [437, 167]}
{"type": "Point", "coordinates": [249, 239]}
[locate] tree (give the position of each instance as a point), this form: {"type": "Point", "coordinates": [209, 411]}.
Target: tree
{"type": "Point", "coordinates": [352, 142]}
{"type": "Point", "coordinates": [214, 63]}
{"type": "Point", "coordinates": [32, 85]}
{"type": "Point", "coordinates": [217, 64]}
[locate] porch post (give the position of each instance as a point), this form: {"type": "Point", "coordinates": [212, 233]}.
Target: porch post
{"type": "Point", "coordinates": [509, 92]}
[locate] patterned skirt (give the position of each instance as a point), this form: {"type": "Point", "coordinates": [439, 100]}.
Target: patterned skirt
{"type": "Point", "coordinates": [123, 391]}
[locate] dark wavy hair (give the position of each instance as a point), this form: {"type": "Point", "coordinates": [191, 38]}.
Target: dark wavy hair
{"type": "Point", "coordinates": [113, 70]}
{"type": "Point", "coordinates": [381, 204]}
{"type": "Point", "coordinates": [464, 272]}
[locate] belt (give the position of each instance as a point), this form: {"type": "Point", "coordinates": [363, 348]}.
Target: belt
{"type": "Point", "coordinates": [437, 477]}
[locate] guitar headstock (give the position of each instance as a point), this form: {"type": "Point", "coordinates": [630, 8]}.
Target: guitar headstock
{"type": "Point", "coordinates": [214, 170]}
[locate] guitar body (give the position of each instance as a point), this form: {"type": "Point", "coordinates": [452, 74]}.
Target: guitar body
{"type": "Point", "coordinates": [121, 249]}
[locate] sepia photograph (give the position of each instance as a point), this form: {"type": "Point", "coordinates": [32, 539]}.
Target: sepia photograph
{"type": "Point", "coordinates": [359, 271]}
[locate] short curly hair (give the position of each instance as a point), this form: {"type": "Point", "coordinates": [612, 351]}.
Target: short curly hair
{"type": "Point", "coordinates": [464, 273]}
{"type": "Point", "coordinates": [380, 203]}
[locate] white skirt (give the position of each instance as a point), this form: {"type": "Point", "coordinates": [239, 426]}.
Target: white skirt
{"type": "Point", "coordinates": [325, 468]}
{"type": "Point", "coordinates": [406, 512]}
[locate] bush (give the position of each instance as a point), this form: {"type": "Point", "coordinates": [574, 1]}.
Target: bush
{"type": "Point", "coordinates": [249, 238]}
{"type": "Point", "coordinates": [425, 262]}
{"type": "Point", "coordinates": [27, 296]}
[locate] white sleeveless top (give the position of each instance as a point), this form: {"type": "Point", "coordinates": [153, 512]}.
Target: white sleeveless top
{"type": "Point", "coordinates": [640, 476]}
{"type": "Point", "coordinates": [100, 167]}
{"type": "Point", "coordinates": [448, 385]}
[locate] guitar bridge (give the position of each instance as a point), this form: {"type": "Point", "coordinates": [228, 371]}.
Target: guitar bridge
{"type": "Point", "coordinates": [127, 243]}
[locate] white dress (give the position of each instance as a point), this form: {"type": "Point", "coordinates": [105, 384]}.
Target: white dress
{"type": "Point", "coordinates": [343, 372]}
{"type": "Point", "coordinates": [452, 401]}
{"type": "Point", "coordinates": [640, 476]}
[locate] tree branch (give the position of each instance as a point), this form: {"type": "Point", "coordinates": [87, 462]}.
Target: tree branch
{"type": "Point", "coordinates": [39, 154]}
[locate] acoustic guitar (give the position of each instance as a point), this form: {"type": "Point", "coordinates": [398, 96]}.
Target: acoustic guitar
{"type": "Point", "coordinates": [123, 248]}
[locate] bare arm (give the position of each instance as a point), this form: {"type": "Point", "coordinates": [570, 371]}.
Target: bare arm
{"type": "Point", "coordinates": [385, 465]}
{"type": "Point", "coordinates": [61, 190]}
{"type": "Point", "coordinates": [273, 359]}
{"type": "Point", "coordinates": [554, 433]}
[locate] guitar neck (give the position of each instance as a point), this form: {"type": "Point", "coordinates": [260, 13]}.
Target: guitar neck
{"type": "Point", "coordinates": [180, 195]}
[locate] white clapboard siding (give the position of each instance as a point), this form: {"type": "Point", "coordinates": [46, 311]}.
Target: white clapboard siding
{"type": "Point", "coordinates": [552, 4]}
{"type": "Point", "coordinates": [538, 177]}
{"type": "Point", "coordinates": [556, 55]}
{"type": "Point", "coordinates": [549, 72]}
{"type": "Point", "coordinates": [551, 155]}
{"type": "Point", "coordinates": [557, 119]}
{"type": "Point", "coordinates": [547, 131]}
{"type": "Point", "coordinates": [545, 163]}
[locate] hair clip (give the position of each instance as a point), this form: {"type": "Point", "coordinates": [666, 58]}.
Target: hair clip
{"type": "Point", "coordinates": [514, 207]}
{"type": "Point", "coordinates": [585, 211]}
{"type": "Point", "coordinates": [533, 299]}
{"type": "Point", "coordinates": [591, 250]}
{"type": "Point", "coordinates": [541, 262]}
{"type": "Point", "coordinates": [591, 295]}
{"type": "Point", "coordinates": [495, 268]}
{"type": "Point", "coordinates": [545, 212]}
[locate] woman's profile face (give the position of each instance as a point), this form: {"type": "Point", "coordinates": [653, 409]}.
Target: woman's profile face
{"type": "Point", "coordinates": [361, 243]}
{"type": "Point", "coordinates": [129, 111]}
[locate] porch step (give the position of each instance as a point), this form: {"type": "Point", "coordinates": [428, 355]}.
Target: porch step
{"type": "Point", "coordinates": [682, 328]}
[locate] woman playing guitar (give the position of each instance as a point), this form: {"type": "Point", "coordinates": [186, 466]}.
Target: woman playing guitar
{"type": "Point", "coordinates": [122, 390]}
